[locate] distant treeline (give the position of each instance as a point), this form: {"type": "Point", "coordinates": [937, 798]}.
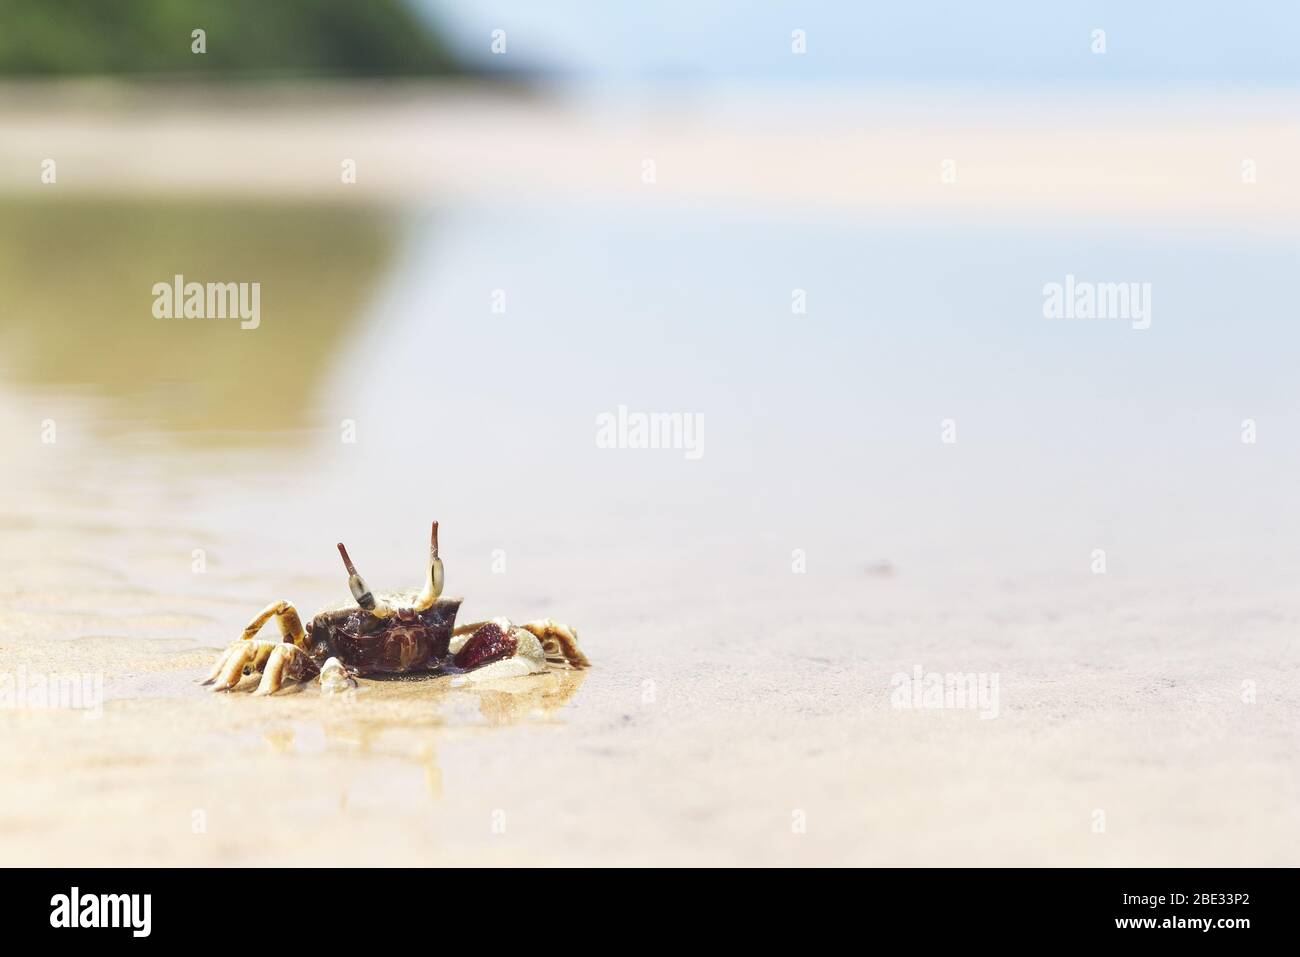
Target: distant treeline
{"type": "Point", "coordinates": [257, 38]}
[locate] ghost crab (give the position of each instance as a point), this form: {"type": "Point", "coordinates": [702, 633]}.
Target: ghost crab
{"type": "Point", "coordinates": [390, 634]}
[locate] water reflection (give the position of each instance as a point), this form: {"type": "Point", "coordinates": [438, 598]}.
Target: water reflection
{"type": "Point", "coordinates": [406, 720]}
{"type": "Point", "coordinates": [77, 280]}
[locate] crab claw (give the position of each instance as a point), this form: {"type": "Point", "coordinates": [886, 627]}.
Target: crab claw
{"type": "Point", "coordinates": [497, 649]}
{"type": "Point", "coordinates": [489, 642]}
{"type": "Point", "coordinates": [334, 677]}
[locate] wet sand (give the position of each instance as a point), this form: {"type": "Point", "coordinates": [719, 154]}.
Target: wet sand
{"type": "Point", "coordinates": [724, 721]}
{"type": "Point", "coordinates": [740, 709]}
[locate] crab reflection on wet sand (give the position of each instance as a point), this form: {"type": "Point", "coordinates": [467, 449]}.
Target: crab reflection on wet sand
{"type": "Point", "coordinates": [411, 632]}
{"type": "Point", "coordinates": [386, 731]}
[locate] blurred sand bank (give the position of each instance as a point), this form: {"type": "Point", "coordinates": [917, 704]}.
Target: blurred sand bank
{"type": "Point", "coordinates": [887, 150]}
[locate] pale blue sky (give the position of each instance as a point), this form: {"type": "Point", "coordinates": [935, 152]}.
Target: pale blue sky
{"type": "Point", "coordinates": [1015, 42]}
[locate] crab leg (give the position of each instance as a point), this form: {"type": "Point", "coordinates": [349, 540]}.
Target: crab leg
{"type": "Point", "coordinates": [285, 661]}
{"type": "Point", "coordinates": [232, 668]}
{"type": "Point", "coordinates": [559, 643]}
{"type": "Point", "coordinates": [285, 615]}
{"type": "Point", "coordinates": [215, 673]}
{"type": "Point", "coordinates": [249, 652]}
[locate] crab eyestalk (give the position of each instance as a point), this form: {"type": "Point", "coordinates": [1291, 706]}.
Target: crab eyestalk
{"type": "Point", "coordinates": [360, 590]}
{"type": "Point", "coordinates": [433, 579]}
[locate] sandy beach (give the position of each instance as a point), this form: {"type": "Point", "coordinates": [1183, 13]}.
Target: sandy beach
{"type": "Point", "coordinates": [747, 613]}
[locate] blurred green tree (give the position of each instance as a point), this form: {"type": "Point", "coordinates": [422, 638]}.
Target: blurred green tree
{"type": "Point", "coordinates": [256, 38]}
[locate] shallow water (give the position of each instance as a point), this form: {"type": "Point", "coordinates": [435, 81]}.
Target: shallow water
{"type": "Point", "coordinates": [746, 610]}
